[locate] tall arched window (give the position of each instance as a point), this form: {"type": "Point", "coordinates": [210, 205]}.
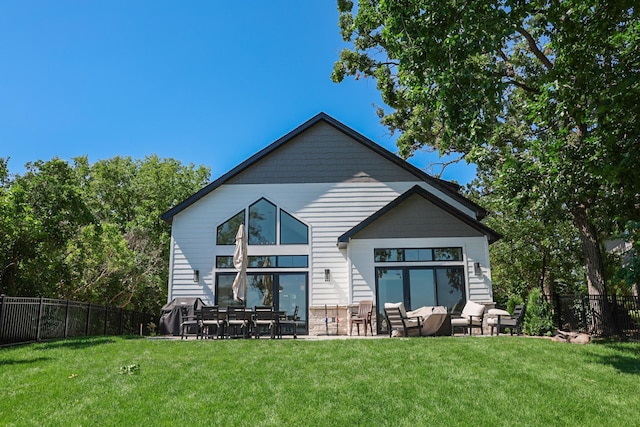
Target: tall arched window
{"type": "Point", "coordinates": [262, 223]}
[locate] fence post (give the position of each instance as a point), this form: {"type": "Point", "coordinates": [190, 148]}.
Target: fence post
{"type": "Point", "coordinates": [558, 314]}
{"type": "Point", "coordinates": [66, 320]}
{"type": "Point", "coordinates": [39, 324]}
{"type": "Point", "coordinates": [106, 319]}
{"type": "Point", "coordinates": [584, 313]}
{"type": "Point", "coordinates": [616, 328]}
{"type": "Point", "coordinates": [86, 326]}
{"type": "Point", "coordinates": [2, 297]}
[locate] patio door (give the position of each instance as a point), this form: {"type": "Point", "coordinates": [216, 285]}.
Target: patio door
{"type": "Point", "coordinates": [418, 287]}
{"type": "Point", "coordinates": [284, 291]}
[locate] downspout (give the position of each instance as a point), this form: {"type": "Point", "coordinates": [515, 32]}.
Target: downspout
{"type": "Point", "coordinates": [171, 266]}
{"type": "Point", "coordinates": [350, 284]}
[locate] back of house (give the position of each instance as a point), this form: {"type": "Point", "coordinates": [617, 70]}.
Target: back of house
{"type": "Point", "coordinates": [332, 219]}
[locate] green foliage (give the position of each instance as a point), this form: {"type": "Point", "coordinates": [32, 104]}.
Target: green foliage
{"type": "Point", "coordinates": [627, 261]}
{"type": "Point", "coordinates": [543, 98]}
{"type": "Point", "coordinates": [91, 232]}
{"type": "Point", "coordinates": [537, 317]}
{"type": "Point", "coordinates": [513, 301]}
{"type": "Point", "coordinates": [470, 381]}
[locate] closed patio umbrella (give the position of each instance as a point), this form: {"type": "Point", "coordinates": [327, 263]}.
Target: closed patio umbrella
{"type": "Point", "coordinates": [240, 263]}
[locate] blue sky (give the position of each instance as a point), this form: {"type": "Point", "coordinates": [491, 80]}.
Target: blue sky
{"type": "Point", "coordinates": [204, 82]}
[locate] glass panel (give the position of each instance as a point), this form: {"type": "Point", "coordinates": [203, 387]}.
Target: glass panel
{"type": "Point", "coordinates": [286, 261]}
{"type": "Point", "coordinates": [292, 231]}
{"type": "Point", "coordinates": [422, 288]}
{"type": "Point", "coordinates": [260, 290]}
{"type": "Point", "coordinates": [224, 262]}
{"type": "Point", "coordinates": [450, 287]}
{"type": "Point", "coordinates": [262, 261]}
{"type": "Point", "coordinates": [389, 255]}
{"type": "Point", "coordinates": [224, 292]}
{"type": "Point", "coordinates": [292, 293]}
{"type": "Point", "coordinates": [390, 289]}
{"type": "Point", "coordinates": [262, 223]}
{"type": "Point", "coordinates": [226, 232]}
{"type": "Point", "coordinates": [447, 254]}
{"type": "Point", "coordinates": [418, 255]}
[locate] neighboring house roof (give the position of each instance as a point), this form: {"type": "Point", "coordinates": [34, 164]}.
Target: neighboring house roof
{"type": "Point", "coordinates": [446, 187]}
{"type": "Point", "coordinates": [422, 221]}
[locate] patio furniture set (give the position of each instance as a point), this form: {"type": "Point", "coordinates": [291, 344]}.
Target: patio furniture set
{"type": "Point", "coordinates": [424, 321]}
{"type": "Point", "coordinates": [236, 322]}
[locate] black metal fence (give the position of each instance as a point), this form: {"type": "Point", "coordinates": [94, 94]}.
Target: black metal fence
{"type": "Point", "coordinates": [599, 315]}
{"type": "Point", "coordinates": [24, 319]}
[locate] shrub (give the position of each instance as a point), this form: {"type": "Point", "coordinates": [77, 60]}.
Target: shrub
{"type": "Point", "coordinates": [513, 301]}
{"type": "Point", "coordinates": [537, 317]}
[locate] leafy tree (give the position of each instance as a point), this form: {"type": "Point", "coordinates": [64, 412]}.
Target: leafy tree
{"type": "Point", "coordinates": [130, 195]}
{"type": "Point", "coordinates": [41, 210]}
{"type": "Point", "coordinates": [543, 94]}
{"type": "Point", "coordinates": [91, 232]}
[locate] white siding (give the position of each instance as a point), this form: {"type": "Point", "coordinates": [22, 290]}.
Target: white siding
{"type": "Point", "coordinates": [329, 209]}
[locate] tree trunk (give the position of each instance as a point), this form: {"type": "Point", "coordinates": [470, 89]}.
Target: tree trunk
{"type": "Point", "coordinates": [602, 319]}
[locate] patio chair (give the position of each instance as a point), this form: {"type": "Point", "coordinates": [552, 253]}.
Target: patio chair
{"type": "Point", "coordinates": [188, 322]}
{"type": "Point", "coordinates": [472, 316]}
{"type": "Point", "coordinates": [238, 317]}
{"type": "Point", "coordinates": [288, 321]}
{"type": "Point", "coordinates": [264, 316]}
{"type": "Point", "coordinates": [397, 319]}
{"type": "Point", "coordinates": [363, 317]}
{"type": "Point", "coordinates": [501, 320]}
{"type": "Point", "coordinates": [210, 318]}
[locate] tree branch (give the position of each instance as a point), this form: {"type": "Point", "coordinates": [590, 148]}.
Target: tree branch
{"type": "Point", "coordinates": [524, 86]}
{"type": "Point", "coordinates": [534, 48]}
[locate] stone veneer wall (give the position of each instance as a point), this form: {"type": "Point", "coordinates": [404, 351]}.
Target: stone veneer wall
{"type": "Point", "coordinates": [338, 320]}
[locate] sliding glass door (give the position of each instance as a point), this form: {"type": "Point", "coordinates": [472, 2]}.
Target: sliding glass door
{"type": "Point", "coordinates": [284, 291]}
{"type": "Point", "coordinates": [418, 287]}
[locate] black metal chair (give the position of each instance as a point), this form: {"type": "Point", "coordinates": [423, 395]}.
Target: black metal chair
{"type": "Point", "coordinates": [188, 322]}
{"type": "Point", "coordinates": [212, 318]}
{"type": "Point", "coordinates": [472, 316]}
{"type": "Point", "coordinates": [286, 322]}
{"type": "Point", "coordinates": [264, 316]}
{"type": "Point", "coordinates": [239, 319]}
{"type": "Point", "coordinates": [513, 322]}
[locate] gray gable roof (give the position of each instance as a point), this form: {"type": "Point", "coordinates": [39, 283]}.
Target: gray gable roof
{"type": "Point", "coordinates": [448, 188]}
{"type": "Point", "coordinates": [456, 215]}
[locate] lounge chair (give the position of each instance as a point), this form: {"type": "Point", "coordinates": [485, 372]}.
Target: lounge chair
{"type": "Point", "coordinates": [471, 317]}
{"type": "Point", "coordinates": [397, 319]}
{"type": "Point", "coordinates": [501, 320]}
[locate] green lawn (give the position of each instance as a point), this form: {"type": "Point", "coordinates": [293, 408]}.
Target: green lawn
{"type": "Point", "coordinates": [491, 381]}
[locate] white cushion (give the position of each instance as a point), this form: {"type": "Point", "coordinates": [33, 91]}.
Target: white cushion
{"type": "Point", "coordinates": [459, 322]}
{"type": "Point", "coordinates": [472, 309]}
{"type": "Point", "coordinates": [495, 312]}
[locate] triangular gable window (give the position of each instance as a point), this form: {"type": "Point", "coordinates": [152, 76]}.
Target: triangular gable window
{"type": "Point", "coordinates": [292, 231]}
{"type": "Point", "coordinates": [263, 227]}
{"type": "Point", "coordinates": [226, 232]}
